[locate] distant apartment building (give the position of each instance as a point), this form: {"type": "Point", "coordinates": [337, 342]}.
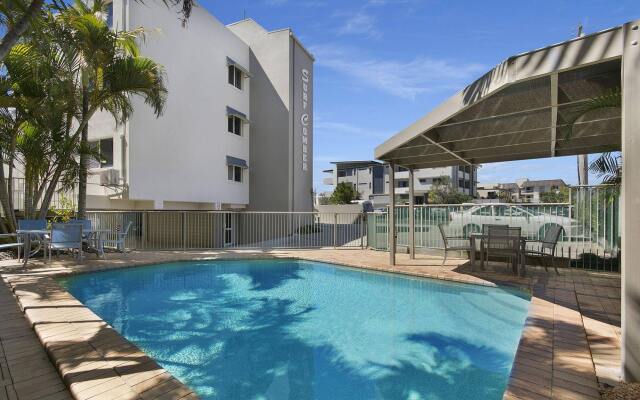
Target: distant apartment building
{"type": "Point", "coordinates": [371, 180]}
{"type": "Point", "coordinates": [521, 191]}
{"type": "Point", "coordinates": [237, 129]}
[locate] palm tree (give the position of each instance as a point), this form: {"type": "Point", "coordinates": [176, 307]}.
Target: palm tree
{"type": "Point", "coordinates": [53, 87]}
{"type": "Point", "coordinates": [17, 16]}
{"type": "Point", "coordinates": [95, 46]}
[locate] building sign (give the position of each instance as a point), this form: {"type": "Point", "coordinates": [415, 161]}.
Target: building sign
{"type": "Point", "coordinates": [304, 119]}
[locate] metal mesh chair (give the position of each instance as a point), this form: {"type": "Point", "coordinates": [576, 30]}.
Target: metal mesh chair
{"type": "Point", "coordinates": [86, 224]}
{"type": "Point", "coordinates": [447, 245]}
{"type": "Point", "coordinates": [33, 225]}
{"type": "Point", "coordinates": [66, 237]}
{"type": "Point", "coordinates": [118, 238]}
{"type": "Point", "coordinates": [547, 248]}
{"type": "Point", "coordinates": [504, 241]}
{"type": "Point", "coordinates": [485, 233]}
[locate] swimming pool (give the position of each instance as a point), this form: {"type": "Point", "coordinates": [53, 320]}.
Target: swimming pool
{"type": "Point", "coordinates": [291, 329]}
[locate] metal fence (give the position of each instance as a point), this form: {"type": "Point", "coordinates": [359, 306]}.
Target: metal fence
{"type": "Point", "coordinates": [191, 230]}
{"type": "Point", "coordinates": [58, 200]}
{"type": "Point", "coordinates": [590, 225]}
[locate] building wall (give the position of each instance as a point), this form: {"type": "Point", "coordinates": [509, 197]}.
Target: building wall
{"type": "Point", "coordinates": [181, 156]}
{"type": "Point", "coordinates": [279, 180]}
{"type": "Point", "coordinates": [178, 161]}
{"type": "Point", "coordinates": [269, 60]}
{"type": "Point", "coordinates": [302, 113]}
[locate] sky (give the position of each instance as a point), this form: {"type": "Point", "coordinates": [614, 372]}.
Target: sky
{"type": "Point", "coordinates": [382, 64]}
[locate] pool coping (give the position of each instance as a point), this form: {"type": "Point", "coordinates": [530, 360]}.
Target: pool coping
{"type": "Point", "coordinates": [91, 357]}
{"type": "Point", "coordinates": [144, 378]}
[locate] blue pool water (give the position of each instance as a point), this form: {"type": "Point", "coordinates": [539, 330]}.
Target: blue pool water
{"type": "Point", "coordinates": [289, 329]}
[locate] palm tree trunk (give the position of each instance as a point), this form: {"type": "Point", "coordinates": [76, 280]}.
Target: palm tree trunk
{"type": "Point", "coordinates": [8, 210]}
{"type": "Point", "coordinates": [48, 194]}
{"type": "Point", "coordinates": [84, 141]}
{"type": "Point", "coordinates": [17, 30]}
{"type": "Point", "coordinates": [583, 169]}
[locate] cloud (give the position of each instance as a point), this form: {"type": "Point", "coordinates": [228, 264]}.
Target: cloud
{"type": "Point", "coordinates": [343, 128]}
{"type": "Point", "coordinates": [405, 79]}
{"type": "Point", "coordinates": [359, 23]}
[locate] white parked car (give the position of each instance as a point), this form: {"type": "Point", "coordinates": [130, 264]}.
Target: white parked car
{"type": "Point", "coordinates": [534, 221]}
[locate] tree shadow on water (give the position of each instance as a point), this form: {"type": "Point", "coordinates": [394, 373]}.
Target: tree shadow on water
{"type": "Point", "coordinates": [459, 370]}
{"type": "Point", "coordinates": [260, 358]}
{"type": "Point", "coordinates": [264, 278]}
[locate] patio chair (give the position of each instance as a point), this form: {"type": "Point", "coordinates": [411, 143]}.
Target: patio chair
{"type": "Point", "coordinates": [35, 225]}
{"type": "Point", "coordinates": [448, 247]}
{"type": "Point", "coordinates": [86, 224]}
{"type": "Point", "coordinates": [66, 237]}
{"type": "Point", "coordinates": [120, 236]}
{"type": "Point", "coordinates": [17, 244]}
{"type": "Point", "coordinates": [504, 242]}
{"type": "Point", "coordinates": [547, 248]}
{"type": "Point", "coordinates": [485, 233]}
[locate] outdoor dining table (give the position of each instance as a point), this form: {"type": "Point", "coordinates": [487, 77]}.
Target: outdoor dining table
{"type": "Point", "coordinates": [480, 237]}
{"type": "Point", "coordinates": [94, 235]}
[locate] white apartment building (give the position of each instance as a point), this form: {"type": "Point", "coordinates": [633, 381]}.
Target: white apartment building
{"type": "Point", "coordinates": [237, 129]}
{"type": "Point", "coordinates": [521, 191]}
{"type": "Point", "coordinates": [371, 180]}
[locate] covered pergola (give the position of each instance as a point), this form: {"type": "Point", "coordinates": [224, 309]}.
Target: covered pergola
{"type": "Point", "coordinates": [526, 108]}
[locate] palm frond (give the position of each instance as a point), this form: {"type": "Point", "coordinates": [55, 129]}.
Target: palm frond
{"type": "Point", "coordinates": [139, 76]}
{"type": "Point", "coordinates": [609, 99]}
{"type": "Point", "coordinates": [608, 167]}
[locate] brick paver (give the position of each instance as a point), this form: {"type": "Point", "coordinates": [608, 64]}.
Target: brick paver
{"type": "Point", "coordinates": [570, 344]}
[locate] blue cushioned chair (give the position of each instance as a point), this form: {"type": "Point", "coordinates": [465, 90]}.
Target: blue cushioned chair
{"type": "Point", "coordinates": [66, 237]}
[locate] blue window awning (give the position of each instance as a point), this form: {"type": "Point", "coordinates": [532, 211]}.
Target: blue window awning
{"type": "Point", "coordinates": [240, 67]}
{"type": "Point", "coordinates": [236, 162]}
{"type": "Point", "coordinates": [234, 112]}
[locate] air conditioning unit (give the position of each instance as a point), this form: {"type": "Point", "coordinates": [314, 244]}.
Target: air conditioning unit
{"type": "Point", "coordinates": [110, 177]}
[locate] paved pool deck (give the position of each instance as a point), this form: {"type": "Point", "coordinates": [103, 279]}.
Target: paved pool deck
{"type": "Point", "coordinates": [52, 347]}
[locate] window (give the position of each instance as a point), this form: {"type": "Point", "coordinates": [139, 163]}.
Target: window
{"type": "Point", "coordinates": [461, 182]}
{"type": "Point", "coordinates": [484, 211]}
{"type": "Point", "coordinates": [109, 14]}
{"type": "Point", "coordinates": [235, 76]}
{"type": "Point", "coordinates": [378, 180]}
{"type": "Point", "coordinates": [234, 173]}
{"type": "Point", "coordinates": [104, 148]}
{"type": "Point", "coordinates": [234, 125]}
{"type": "Point", "coordinates": [423, 181]}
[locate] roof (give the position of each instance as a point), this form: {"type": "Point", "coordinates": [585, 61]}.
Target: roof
{"type": "Point", "coordinates": [520, 184]}
{"type": "Point", "coordinates": [521, 109]}
{"type": "Point", "coordinates": [545, 182]}
{"type": "Point", "coordinates": [357, 162]}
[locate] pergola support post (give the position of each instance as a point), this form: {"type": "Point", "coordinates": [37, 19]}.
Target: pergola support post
{"type": "Point", "coordinates": [630, 210]}
{"type": "Point", "coordinates": [391, 215]}
{"type": "Point", "coordinates": [412, 228]}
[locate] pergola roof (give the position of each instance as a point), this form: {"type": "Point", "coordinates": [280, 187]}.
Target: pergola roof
{"type": "Point", "coordinates": [522, 109]}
